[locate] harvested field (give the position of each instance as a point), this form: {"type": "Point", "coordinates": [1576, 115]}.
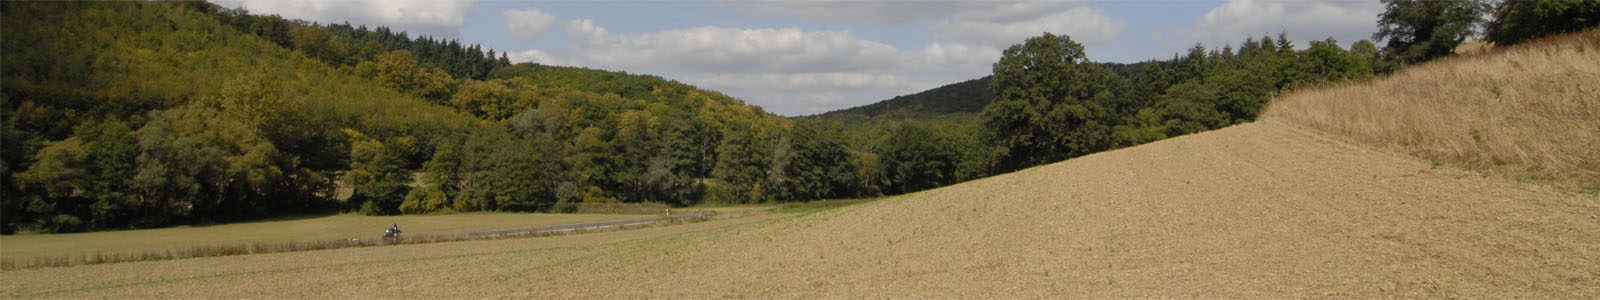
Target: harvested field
{"type": "Point", "coordinates": [1267, 209]}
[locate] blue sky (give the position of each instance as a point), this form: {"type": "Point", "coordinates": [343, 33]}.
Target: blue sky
{"type": "Point", "coordinates": [798, 57]}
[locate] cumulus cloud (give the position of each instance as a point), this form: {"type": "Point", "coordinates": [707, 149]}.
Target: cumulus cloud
{"type": "Point", "coordinates": [901, 11]}
{"type": "Point", "coordinates": [806, 81]}
{"type": "Point", "coordinates": [1001, 28]}
{"type": "Point", "coordinates": [534, 56]}
{"type": "Point", "coordinates": [442, 18]}
{"type": "Point", "coordinates": [721, 49]}
{"type": "Point", "coordinates": [988, 23]}
{"type": "Point", "coordinates": [1233, 21]}
{"type": "Point", "coordinates": [867, 11]}
{"type": "Point", "coordinates": [1016, 11]}
{"type": "Point", "coordinates": [528, 24]}
{"type": "Point", "coordinates": [788, 70]}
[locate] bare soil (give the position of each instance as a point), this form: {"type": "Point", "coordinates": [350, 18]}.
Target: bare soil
{"type": "Point", "coordinates": [1261, 210]}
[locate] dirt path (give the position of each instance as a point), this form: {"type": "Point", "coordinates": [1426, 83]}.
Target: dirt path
{"type": "Point", "coordinates": [1251, 211]}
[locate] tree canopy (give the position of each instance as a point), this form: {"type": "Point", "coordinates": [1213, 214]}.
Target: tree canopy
{"type": "Point", "coordinates": [1050, 103]}
{"type": "Point", "coordinates": [1517, 21]}
{"type": "Point", "coordinates": [1422, 30]}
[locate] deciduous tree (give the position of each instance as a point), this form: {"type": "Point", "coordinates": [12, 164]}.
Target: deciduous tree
{"type": "Point", "coordinates": [1422, 30]}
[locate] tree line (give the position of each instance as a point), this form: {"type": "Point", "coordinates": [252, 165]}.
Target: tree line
{"type": "Point", "coordinates": [143, 114]}
{"type": "Point", "coordinates": [1051, 103]}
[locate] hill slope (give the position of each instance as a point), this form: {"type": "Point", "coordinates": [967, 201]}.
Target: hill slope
{"type": "Point", "coordinates": [1529, 112]}
{"type": "Point", "coordinates": [962, 97]}
{"type": "Point", "coordinates": [1257, 210]}
{"type": "Point", "coordinates": [122, 115]}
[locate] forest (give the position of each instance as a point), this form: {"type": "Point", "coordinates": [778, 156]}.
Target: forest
{"type": "Point", "coordinates": [122, 115]}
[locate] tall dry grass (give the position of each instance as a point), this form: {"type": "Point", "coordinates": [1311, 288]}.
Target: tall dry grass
{"type": "Point", "coordinates": [1528, 112]}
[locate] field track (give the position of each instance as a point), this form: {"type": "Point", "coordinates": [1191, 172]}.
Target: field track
{"type": "Point", "coordinates": [1258, 210]}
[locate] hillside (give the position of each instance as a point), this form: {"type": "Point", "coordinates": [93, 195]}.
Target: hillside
{"type": "Point", "coordinates": [147, 114]}
{"type": "Point", "coordinates": [125, 115]}
{"type": "Point", "coordinates": [966, 97]}
{"type": "Point", "coordinates": [1269, 209]}
{"type": "Point", "coordinates": [962, 97]}
{"type": "Point", "coordinates": [1529, 112]}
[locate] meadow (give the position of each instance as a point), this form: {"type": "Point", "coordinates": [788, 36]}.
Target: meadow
{"type": "Point", "coordinates": [344, 226]}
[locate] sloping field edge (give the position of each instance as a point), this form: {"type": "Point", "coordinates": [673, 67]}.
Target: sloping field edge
{"type": "Point", "coordinates": [1527, 112]}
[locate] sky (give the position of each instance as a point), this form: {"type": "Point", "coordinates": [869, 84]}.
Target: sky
{"type": "Point", "coordinates": [802, 57]}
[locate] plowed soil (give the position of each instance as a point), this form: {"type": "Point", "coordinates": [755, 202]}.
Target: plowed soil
{"type": "Point", "coordinates": [1261, 210]}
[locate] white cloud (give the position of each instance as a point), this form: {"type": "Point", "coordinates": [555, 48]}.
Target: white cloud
{"type": "Point", "coordinates": [787, 70]}
{"type": "Point", "coordinates": [534, 56]}
{"type": "Point", "coordinates": [1235, 20]}
{"type": "Point", "coordinates": [901, 11]}
{"type": "Point", "coordinates": [806, 81]}
{"type": "Point", "coordinates": [728, 49]}
{"type": "Point", "coordinates": [856, 10]}
{"type": "Point", "coordinates": [528, 24]}
{"type": "Point", "coordinates": [1016, 11]}
{"type": "Point", "coordinates": [990, 23]}
{"type": "Point", "coordinates": [1001, 28]}
{"type": "Point", "coordinates": [442, 18]}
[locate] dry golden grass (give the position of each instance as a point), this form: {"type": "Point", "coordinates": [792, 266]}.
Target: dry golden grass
{"type": "Point", "coordinates": [1473, 47]}
{"type": "Point", "coordinates": [1526, 112]}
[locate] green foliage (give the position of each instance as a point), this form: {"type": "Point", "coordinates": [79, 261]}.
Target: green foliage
{"type": "Point", "coordinates": [1055, 105]}
{"type": "Point", "coordinates": [969, 96]}
{"type": "Point", "coordinates": [811, 162]}
{"type": "Point", "coordinates": [916, 157]}
{"type": "Point", "coordinates": [1325, 61]}
{"type": "Point", "coordinates": [160, 114]}
{"type": "Point", "coordinates": [398, 70]}
{"type": "Point", "coordinates": [1061, 106]}
{"type": "Point", "coordinates": [377, 174]}
{"type": "Point", "coordinates": [423, 200]}
{"type": "Point", "coordinates": [595, 81]}
{"type": "Point", "coordinates": [1051, 103]}
{"type": "Point", "coordinates": [1517, 21]}
{"type": "Point", "coordinates": [1422, 30]}
{"type": "Point", "coordinates": [269, 27]}
{"type": "Point", "coordinates": [742, 160]}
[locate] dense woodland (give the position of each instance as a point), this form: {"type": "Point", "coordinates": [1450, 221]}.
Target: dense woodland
{"type": "Point", "coordinates": [146, 114]}
{"type": "Point", "coordinates": [969, 96]}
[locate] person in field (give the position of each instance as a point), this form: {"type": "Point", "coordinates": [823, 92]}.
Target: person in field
{"type": "Point", "coordinates": [393, 231]}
